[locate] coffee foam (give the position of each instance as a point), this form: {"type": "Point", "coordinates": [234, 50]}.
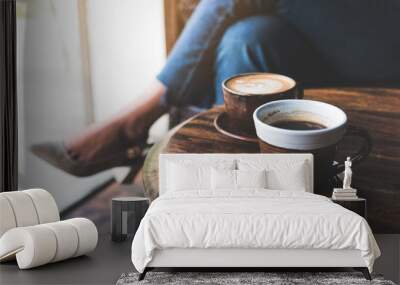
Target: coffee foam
{"type": "Point", "coordinates": [263, 83]}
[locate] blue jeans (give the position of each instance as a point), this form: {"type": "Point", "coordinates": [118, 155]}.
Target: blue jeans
{"type": "Point", "coordinates": [343, 42]}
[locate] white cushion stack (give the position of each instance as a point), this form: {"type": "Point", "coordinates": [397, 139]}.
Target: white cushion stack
{"type": "Point", "coordinates": [31, 231]}
{"type": "Point", "coordinates": [33, 246]}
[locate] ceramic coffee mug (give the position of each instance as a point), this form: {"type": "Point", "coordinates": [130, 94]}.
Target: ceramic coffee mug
{"type": "Point", "coordinates": [293, 126]}
{"type": "Point", "coordinates": [243, 93]}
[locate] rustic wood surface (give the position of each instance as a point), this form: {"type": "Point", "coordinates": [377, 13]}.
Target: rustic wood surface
{"type": "Point", "coordinates": [176, 14]}
{"type": "Point", "coordinates": [377, 178]}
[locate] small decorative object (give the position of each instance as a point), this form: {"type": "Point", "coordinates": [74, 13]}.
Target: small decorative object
{"type": "Point", "coordinates": [347, 192]}
{"type": "Point", "coordinates": [348, 173]}
{"type": "Point", "coordinates": [126, 214]}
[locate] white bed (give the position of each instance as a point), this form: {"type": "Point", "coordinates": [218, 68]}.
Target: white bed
{"type": "Point", "coordinates": [200, 221]}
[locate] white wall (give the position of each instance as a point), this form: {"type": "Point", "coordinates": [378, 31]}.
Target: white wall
{"type": "Point", "coordinates": [126, 39]}
{"type": "Point", "coordinates": [126, 51]}
{"type": "Point", "coordinates": [50, 92]}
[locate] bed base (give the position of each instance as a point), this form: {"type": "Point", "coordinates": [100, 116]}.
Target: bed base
{"type": "Point", "coordinates": [240, 259]}
{"type": "Point", "coordinates": [363, 270]}
{"type": "Point", "coordinates": [143, 274]}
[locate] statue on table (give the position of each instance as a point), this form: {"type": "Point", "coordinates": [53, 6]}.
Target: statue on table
{"type": "Point", "coordinates": [348, 173]}
{"type": "Point", "coordinates": [347, 192]}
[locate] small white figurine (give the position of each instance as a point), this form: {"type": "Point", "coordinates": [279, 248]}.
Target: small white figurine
{"type": "Point", "coordinates": [348, 173]}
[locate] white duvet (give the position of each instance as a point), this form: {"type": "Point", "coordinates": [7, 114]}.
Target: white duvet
{"type": "Point", "coordinates": [250, 219]}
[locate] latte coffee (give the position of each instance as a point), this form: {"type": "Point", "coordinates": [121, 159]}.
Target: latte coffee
{"type": "Point", "coordinates": [260, 83]}
{"type": "Point", "coordinates": [243, 93]}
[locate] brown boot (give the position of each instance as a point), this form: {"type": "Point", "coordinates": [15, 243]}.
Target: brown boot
{"type": "Point", "coordinates": [118, 142]}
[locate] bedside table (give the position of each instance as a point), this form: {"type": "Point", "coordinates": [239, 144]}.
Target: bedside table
{"type": "Point", "coordinates": [358, 206]}
{"type": "Point", "coordinates": [126, 214]}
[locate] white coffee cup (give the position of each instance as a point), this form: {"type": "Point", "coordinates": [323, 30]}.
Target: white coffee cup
{"type": "Point", "coordinates": [331, 117]}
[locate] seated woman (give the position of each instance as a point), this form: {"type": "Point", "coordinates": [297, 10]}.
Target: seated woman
{"type": "Point", "coordinates": [346, 42]}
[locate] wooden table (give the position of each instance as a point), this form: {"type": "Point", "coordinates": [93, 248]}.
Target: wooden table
{"type": "Point", "coordinates": [358, 205]}
{"type": "Point", "coordinates": [377, 178]}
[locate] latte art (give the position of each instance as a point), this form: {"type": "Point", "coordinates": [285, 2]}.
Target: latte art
{"type": "Point", "coordinates": [265, 83]}
{"type": "Point", "coordinates": [257, 86]}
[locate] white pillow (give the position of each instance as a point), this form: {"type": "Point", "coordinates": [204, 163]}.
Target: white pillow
{"type": "Point", "coordinates": [290, 176]}
{"type": "Point", "coordinates": [283, 174]}
{"type": "Point", "coordinates": [251, 178]}
{"type": "Point", "coordinates": [184, 178]}
{"type": "Point", "coordinates": [189, 175]}
{"type": "Point", "coordinates": [223, 179]}
{"type": "Point", "coordinates": [230, 180]}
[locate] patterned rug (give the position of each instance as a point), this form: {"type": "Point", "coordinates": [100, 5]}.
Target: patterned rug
{"type": "Point", "coordinates": [243, 278]}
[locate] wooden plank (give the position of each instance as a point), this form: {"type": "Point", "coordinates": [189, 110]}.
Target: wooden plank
{"type": "Point", "coordinates": [171, 20]}
{"type": "Point", "coordinates": [176, 13]}
{"type": "Point", "coordinates": [86, 62]}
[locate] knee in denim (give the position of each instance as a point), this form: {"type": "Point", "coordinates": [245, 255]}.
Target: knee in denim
{"type": "Point", "coordinates": [253, 31]}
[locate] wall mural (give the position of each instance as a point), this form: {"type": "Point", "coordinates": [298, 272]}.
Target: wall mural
{"type": "Point", "coordinates": [377, 178]}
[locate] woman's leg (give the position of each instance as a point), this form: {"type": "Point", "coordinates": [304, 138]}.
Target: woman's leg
{"type": "Point", "coordinates": [184, 80]}
{"type": "Point", "coordinates": [115, 142]}
{"type": "Point", "coordinates": [188, 73]}
{"type": "Point", "coordinates": [267, 44]}
{"type": "Point", "coordinates": [121, 131]}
